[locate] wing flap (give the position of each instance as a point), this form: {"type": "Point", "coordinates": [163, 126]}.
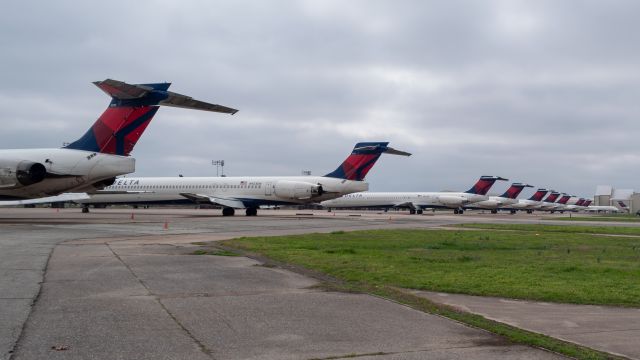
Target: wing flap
{"type": "Point", "coordinates": [228, 202]}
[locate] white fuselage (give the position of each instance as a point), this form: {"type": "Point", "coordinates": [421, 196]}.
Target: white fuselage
{"type": "Point", "coordinates": [494, 202]}
{"type": "Point", "coordinates": [417, 200]}
{"type": "Point", "coordinates": [601, 208]}
{"type": "Point", "coordinates": [525, 204]}
{"type": "Point", "coordinates": [250, 191]}
{"type": "Point", "coordinates": [67, 170]}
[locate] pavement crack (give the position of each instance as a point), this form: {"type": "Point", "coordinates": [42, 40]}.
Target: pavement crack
{"type": "Point", "coordinates": [200, 345]}
{"type": "Point", "coordinates": [25, 324]}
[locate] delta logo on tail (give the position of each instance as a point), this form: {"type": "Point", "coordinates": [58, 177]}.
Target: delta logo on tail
{"type": "Point", "coordinates": [552, 197]}
{"type": "Point", "coordinates": [362, 159]}
{"type": "Point", "coordinates": [514, 190]}
{"type": "Point", "coordinates": [132, 108]}
{"type": "Point", "coordinates": [539, 194]}
{"type": "Point", "coordinates": [564, 199]}
{"type": "Point", "coordinates": [623, 205]}
{"type": "Point", "coordinates": [484, 184]}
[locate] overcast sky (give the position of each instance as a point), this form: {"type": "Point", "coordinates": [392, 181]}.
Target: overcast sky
{"type": "Point", "coordinates": [544, 92]}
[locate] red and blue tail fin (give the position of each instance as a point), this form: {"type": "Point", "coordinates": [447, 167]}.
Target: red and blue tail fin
{"type": "Point", "coordinates": [483, 184]}
{"type": "Point", "coordinates": [587, 203]}
{"type": "Point", "coordinates": [580, 202]}
{"type": "Point", "coordinates": [564, 199]}
{"type": "Point", "coordinates": [514, 190]}
{"type": "Point", "coordinates": [623, 205]}
{"type": "Point", "coordinates": [539, 194]}
{"type": "Point", "coordinates": [552, 197]}
{"type": "Point", "coordinates": [362, 159]}
{"type": "Point", "coordinates": [131, 110]}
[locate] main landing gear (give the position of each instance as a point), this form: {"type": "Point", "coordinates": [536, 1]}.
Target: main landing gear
{"type": "Point", "coordinates": [228, 211]}
{"type": "Point", "coordinates": [458, 211]}
{"type": "Point", "coordinates": [251, 211]}
{"type": "Point", "coordinates": [494, 211]}
{"type": "Point", "coordinates": [85, 209]}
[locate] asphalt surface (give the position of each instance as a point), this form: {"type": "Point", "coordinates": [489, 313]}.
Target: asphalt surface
{"type": "Point", "coordinates": [117, 284]}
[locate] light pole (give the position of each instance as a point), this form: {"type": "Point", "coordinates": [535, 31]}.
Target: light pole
{"type": "Point", "coordinates": [219, 164]}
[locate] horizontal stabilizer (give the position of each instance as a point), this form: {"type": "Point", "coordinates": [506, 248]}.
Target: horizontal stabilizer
{"type": "Point", "coordinates": [186, 102]}
{"type": "Point", "coordinates": [123, 91]}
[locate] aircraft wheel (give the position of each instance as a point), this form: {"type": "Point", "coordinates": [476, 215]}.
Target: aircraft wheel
{"type": "Point", "coordinates": [412, 211]}
{"type": "Point", "coordinates": [456, 211]}
{"type": "Point", "coordinates": [251, 211]}
{"type": "Point", "coordinates": [529, 211]}
{"type": "Point", "coordinates": [85, 209]}
{"type": "Point", "coordinates": [494, 211]}
{"type": "Point", "coordinates": [513, 212]}
{"type": "Point", "coordinates": [419, 212]}
{"type": "Point", "coordinates": [228, 211]}
{"type": "Point", "coordinates": [460, 212]}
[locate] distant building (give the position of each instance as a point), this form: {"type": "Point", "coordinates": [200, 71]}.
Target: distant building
{"type": "Point", "coordinates": [607, 195]}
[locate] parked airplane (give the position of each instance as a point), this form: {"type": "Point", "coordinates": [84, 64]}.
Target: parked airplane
{"type": "Point", "coordinates": [549, 203]}
{"type": "Point", "coordinates": [623, 206]}
{"type": "Point", "coordinates": [496, 203]}
{"type": "Point", "coordinates": [530, 204]}
{"type": "Point", "coordinates": [102, 153]}
{"type": "Point", "coordinates": [577, 206]}
{"type": "Point", "coordinates": [248, 192]}
{"type": "Point", "coordinates": [605, 208]}
{"type": "Point", "coordinates": [561, 204]}
{"type": "Point", "coordinates": [416, 201]}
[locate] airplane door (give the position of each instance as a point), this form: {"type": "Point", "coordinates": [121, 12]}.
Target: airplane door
{"type": "Point", "coordinates": [268, 189]}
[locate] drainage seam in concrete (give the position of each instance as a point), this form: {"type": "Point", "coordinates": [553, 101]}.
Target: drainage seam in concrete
{"type": "Point", "coordinates": [17, 343]}
{"type": "Point", "coordinates": [201, 346]}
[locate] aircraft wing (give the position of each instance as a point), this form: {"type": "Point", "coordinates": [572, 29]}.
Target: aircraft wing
{"type": "Point", "coordinates": [49, 199]}
{"type": "Point", "coordinates": [407, 204]}
{"type": "Point", "coordinates": [228, 202]}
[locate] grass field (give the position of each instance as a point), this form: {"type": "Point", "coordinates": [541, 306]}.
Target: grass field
{"type": "Point", "coordinates": [567, 229]}
{"type": "Point", "coordinates": [549, 263]}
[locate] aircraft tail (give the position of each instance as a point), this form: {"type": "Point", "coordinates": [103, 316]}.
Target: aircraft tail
{"type": "Point", "coordinates": [580, 202]}
{"type": "Point", "coordinates": [131, 110]}
{"type": "Point", "coordinates": [623, 205]}
{"type": "Point", "coordinates": [552, 197]}
{"type": "Point", "coordinates": [363, 156]}
{"type": "Point", "coordinates": [564, 199]}
{"type": "Point", "coordinates": [587, 203]}
{"type": "Point", "coordinates": [482, 186]}
{"type": "Point", "coordinates": [539, 194]}
{"type": "Point", "coordinates": [514, 190]}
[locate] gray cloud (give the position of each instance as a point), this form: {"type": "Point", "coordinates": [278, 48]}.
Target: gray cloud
{"type": "Point", "coordinates": [544, 92]}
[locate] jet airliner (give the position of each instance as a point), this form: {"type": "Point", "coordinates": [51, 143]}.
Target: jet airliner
{"type": "Point", "coordinates": [93, 161]}
{"type": "Point", "coordinates": [248, 193]}
{"type": "Point", "coordinates": [416, 202]}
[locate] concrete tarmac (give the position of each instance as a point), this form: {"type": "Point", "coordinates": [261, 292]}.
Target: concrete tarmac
{"type": "Point", "coordinates": [120, 284]}
{"type": "Point", "coordinates": [614, 330]}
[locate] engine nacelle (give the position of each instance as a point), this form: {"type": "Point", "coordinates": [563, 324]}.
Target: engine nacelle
{"type": "Point", "coordinates": [452, 200]}
{"type": "Point", "coordinates": [297, 190]}
{"type": "Point", "coordinates": [23, 173]}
